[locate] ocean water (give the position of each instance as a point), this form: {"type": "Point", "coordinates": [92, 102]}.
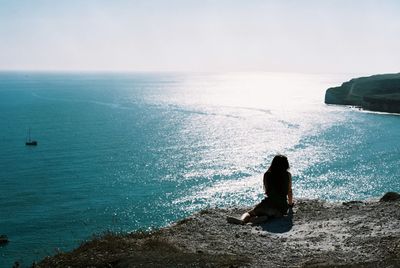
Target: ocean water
{"type": "Point", "coordinates": [130, 151]}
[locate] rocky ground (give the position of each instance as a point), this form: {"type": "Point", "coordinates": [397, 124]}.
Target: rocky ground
{"type": "Point", "coordinates": [314, 234]}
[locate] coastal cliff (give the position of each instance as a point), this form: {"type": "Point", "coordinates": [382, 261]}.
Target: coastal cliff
{"type": "Point", "coordinates": [375, 93]}
{"type": "Point", "coordinates": [314, 234]}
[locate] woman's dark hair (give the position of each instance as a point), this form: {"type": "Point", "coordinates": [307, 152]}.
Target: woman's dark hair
{"type": "Point", "coordinates": [280, 164]}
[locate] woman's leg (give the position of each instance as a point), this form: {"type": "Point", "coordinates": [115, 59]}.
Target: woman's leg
{"type": "Point", "coordinates": [273, 212]}
{"type": "Point", "coordinates": [259, 219]}
{"type": "Point", "coordinates": [257, 211]}
{"type": "Point", "coordinates": [246, 217]}
{"type": "Point", "coordinates": [258, 214]}
{"type": "Point", "coordinates": [234, 220]}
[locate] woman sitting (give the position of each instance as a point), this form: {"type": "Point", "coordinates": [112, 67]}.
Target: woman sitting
{"type": "Point", "coordinates": [278, 189]}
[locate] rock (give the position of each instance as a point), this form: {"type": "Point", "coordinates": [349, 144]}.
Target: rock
{"type": "Point", "coordinates": [375, 93]}
{"type": "Point", "coordinates": [356, 202]}
{"type": "Point", "coordinates": [3, 239]}
{"type": "Point", "coordinates": [390, 196]}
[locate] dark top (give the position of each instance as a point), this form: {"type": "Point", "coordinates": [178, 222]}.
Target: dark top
{"type": "Point", "coordinates": [277, 188]}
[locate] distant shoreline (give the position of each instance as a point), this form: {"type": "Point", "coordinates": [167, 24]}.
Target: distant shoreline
{"type": "Point", "coordinates": [379, 93]}
{"type": "Point", "coordinates": [359, 108]}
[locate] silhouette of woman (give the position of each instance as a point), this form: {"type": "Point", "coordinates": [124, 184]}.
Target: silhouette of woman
{"type": "Point", "coordinates": [278, 190]}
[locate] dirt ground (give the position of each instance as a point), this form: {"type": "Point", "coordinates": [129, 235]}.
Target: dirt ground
{"type": "Point", "coordinates": [314, 234]}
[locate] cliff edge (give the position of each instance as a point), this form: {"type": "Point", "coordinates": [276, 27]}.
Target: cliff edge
{"type": "Point", "coordinates": [375, 93]}
{"type": "Point", "coordinates": [314, 234]}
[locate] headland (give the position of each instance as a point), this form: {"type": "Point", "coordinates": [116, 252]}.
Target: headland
{"type": "Point", "coordinates": [376, 93]}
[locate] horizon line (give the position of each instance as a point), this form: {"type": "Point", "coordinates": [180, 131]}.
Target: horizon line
{"type": "Point", "coordinates": [181, 71]}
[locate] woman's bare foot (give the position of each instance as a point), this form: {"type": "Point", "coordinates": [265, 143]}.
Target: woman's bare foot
{"type": "Point", "coordinates": [234, 220]}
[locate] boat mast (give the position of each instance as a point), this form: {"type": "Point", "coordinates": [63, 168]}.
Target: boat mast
{"type": "Point", "coordinates": [29, 141]}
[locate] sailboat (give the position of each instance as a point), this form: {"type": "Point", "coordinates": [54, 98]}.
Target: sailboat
{"type": "Point", "coordinates": [29, 141]}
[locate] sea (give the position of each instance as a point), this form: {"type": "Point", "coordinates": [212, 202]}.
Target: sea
{"type": "Point", "coordinates": [123, 152]}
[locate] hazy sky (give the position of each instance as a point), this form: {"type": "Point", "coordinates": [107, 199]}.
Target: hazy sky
{"type": "Point", "coordinates": [203, 35]}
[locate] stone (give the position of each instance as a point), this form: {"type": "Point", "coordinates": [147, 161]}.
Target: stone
{"type": "Point", "coordinates": [390, 196]}
{"type": "Point", "coordinates": [3, 239]}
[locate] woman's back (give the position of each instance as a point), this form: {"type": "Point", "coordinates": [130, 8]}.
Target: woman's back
{"type": "Point", "coordinates": [277, 187]}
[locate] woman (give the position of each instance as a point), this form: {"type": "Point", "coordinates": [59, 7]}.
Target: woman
{"type": "Point", "coordinates": [278, 189]}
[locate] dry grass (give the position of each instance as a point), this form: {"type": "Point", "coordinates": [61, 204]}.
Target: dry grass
{"type": "Point", "coordinates": [137, 250]}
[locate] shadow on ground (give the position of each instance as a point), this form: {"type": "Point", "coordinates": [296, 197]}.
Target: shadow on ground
{"type": "Point", "coordinates": [279, 225]}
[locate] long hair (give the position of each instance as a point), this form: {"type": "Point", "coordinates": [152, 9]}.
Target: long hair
{"type": "Point", "coordinates": [280, 164]}
{"type": "Point", "coordinates": [277, 177]}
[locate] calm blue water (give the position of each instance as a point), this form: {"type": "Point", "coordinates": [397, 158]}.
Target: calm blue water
{"type": "Point", "coordinates": [132, 151]}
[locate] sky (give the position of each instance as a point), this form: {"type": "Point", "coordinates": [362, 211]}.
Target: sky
{"type": "Point", "coordinates": [341, 36]}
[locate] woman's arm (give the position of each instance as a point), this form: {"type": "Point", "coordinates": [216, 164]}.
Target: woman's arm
{"type": "Point", "coordinates": [290, 192]}
{"type": "Point", "coordinates": [265, 184]}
